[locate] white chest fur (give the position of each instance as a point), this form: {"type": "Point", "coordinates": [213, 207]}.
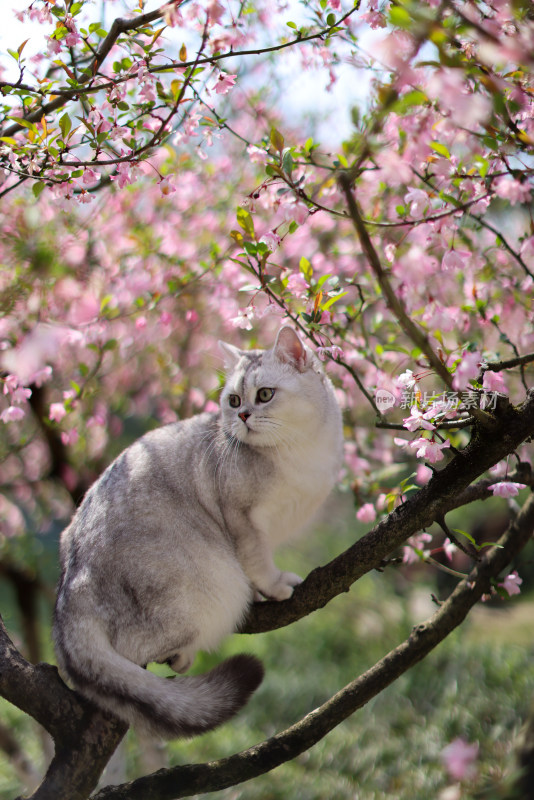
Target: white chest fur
{"type": "Point", "coordinates": [304, 478]}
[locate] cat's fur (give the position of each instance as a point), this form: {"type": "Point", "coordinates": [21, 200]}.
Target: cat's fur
{"type": "Point", "coordinates": [172, 543]}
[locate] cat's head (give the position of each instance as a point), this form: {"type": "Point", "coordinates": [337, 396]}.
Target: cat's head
{"type": "Point", "coordinates": [272, 398]}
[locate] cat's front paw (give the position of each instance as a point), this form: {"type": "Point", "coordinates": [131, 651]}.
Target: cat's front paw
{"type": "Point", "coordinates": [282, 588]}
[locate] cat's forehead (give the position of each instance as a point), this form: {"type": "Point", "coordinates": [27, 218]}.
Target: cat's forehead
{"type": "Point", "coordinates": [254, 369]}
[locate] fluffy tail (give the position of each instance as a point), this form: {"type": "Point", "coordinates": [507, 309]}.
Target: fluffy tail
{"type": "Point", "coordinates": [171, 708]}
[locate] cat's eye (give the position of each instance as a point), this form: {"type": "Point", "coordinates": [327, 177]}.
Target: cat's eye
{"type": "Point", "coordinates": [264, 395]}
{"type": "Point", "coordinates": [234, 401]}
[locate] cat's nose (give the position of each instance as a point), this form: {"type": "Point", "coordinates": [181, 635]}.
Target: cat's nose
{"type": "Point", "coordinates": [244, 415]}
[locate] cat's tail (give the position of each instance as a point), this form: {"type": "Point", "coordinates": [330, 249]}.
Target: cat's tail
{"type": "Point", "coordinates": [170, 708]}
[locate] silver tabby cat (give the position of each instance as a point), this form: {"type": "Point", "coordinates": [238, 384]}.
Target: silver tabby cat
{"type": "Point", "coordinates": [175, 540]}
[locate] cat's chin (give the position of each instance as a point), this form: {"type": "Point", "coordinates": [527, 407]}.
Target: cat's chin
{"type": "Point", "coordinates": [253, 438]}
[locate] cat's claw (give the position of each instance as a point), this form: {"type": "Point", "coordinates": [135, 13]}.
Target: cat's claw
{"type": "Point", "coordinates": [282, 589]}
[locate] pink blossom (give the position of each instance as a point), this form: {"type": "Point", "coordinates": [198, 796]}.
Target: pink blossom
{"type": "Point", "coordinates": [506, 488]}
{"type": "Point", "coordinates": [20, 394]}
{"type": "Point", "coordinates": [12, 414]}
{"type": "Point", "coordinates": [511, 583]}
{"type": "Point", "coordinates": [450, 88]}
{"type": "Point", "coordinates": [418, 201]}
{"type": "Point", "coordinates": [467, 370]}
{"type": "Point", "coordinates": [57, 412]}
{"type": "Point", "coordinates": [125, 174]}
{"type": "Point", "coordinates": [166, 187]}
{"type": "Point", "coordinates": [173, 16]}
{"type": "Point", "coordinates": [297, 285]}
{"type": "Point", "coordinates": [407, 380]}
{"type": "Point", "coordinates": [423, 474]}
{"type": "Point", "coordinates": [334, 351]}
{"type": "Point", "coordinates": [459, 759]}
{"type": "Point", "coordinates": [53, 46]}
{"type": "Point", "coordinates": [90, 177]}
{"type": "Point", "coordinates": [366, 513]}
{"type": "Point", "coordinates": [452, 260]}
{"type": "Point", "coordinates": [215, 11]}
{"type": "Point", "coordinates": [257, 155]}
{"type": "Point", "coordinates": [493, 382]}
{"type": "Point", "coordinates": [389, 252]}
{"type": "Point", "coordinates": [243, 319]}
{"type": "Point", "coordinates": [417, 420]}
{"type": "Point", "coordinates": [224, 83]}
{"type": "Point", "coordinates": [512, 190]}
{"type": "Point", "coordinates": [295, 210]}
{"type": "Point", "coordinates": [429, 450]}
{"type": "Point", "coordinates": [449, 548]}
{"type": "Point", "coordinates": [414, 546]}
{"type": "Point", "coordinates": [69, 437]}
{"type": "Point", "coordinates": [272, 240]}
{"type": "Point", "coordinates": [375, 19]}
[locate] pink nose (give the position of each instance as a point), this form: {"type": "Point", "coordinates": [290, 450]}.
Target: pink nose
{"type": "Point", "coordinates": [244, 415]}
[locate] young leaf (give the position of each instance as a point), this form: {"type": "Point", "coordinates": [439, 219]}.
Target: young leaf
{"type": "Point", "coordinates": [246, 222]}
{"type": "Point", "coordinates": [277, 140]}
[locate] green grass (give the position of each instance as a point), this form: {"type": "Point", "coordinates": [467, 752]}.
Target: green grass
{"type": "Point", "coordinates": [477, 684]}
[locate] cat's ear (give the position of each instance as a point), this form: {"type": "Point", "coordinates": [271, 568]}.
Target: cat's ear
{"type": "Point", "coordinates": [289, 349]}
{"type": "Point", "coordinates": [230, 353]}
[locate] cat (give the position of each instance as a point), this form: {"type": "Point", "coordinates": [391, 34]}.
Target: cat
{"type": "Point", "coordinates": [174, 541]}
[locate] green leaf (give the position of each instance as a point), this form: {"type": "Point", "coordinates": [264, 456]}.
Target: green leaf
{"type": "Point", "coordinates": [467, 536]}
{"type": "Point", "coordinates": [37, 188]}
{"type": "Point", "coordinates": [24, 123]}
{"type": "Point", "coordinates": [440, 148]}
{"type": "Point", "coordinates": [330, 302]}
{"type": "Point", "coordinates": [245, 221]}
{"type": "Point", "coordinates": [306, 268]}
{"type": "Point", "coordinates": [65, 125]}
{"type": "Point", "coordinates": [277, 140]}
{"type": "Point", "coordinates": [287, 162]}
{"type": "Point", "coordinates": [399, 17]}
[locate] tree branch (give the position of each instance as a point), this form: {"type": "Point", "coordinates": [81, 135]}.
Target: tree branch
{"type": "Point", "coordinates": [486, 448]}
{"type": "Point", "coordinates": [84, 737]}
{"type": "Point", "coordinates": [122, 25]}
{"type": "Point", "coordinates": [184, 781]}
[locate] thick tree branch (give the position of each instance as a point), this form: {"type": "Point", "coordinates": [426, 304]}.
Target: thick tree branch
{"type": "Point", "coordinates": [486, 448]}
{"type": "Point", "coordinates": [84, 737]}
{"type": "Point", "coordinates": [188, 780]}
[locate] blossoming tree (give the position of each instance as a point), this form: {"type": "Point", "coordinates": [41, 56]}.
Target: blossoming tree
{"type": "Point", "coordinates": [155, 196]}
